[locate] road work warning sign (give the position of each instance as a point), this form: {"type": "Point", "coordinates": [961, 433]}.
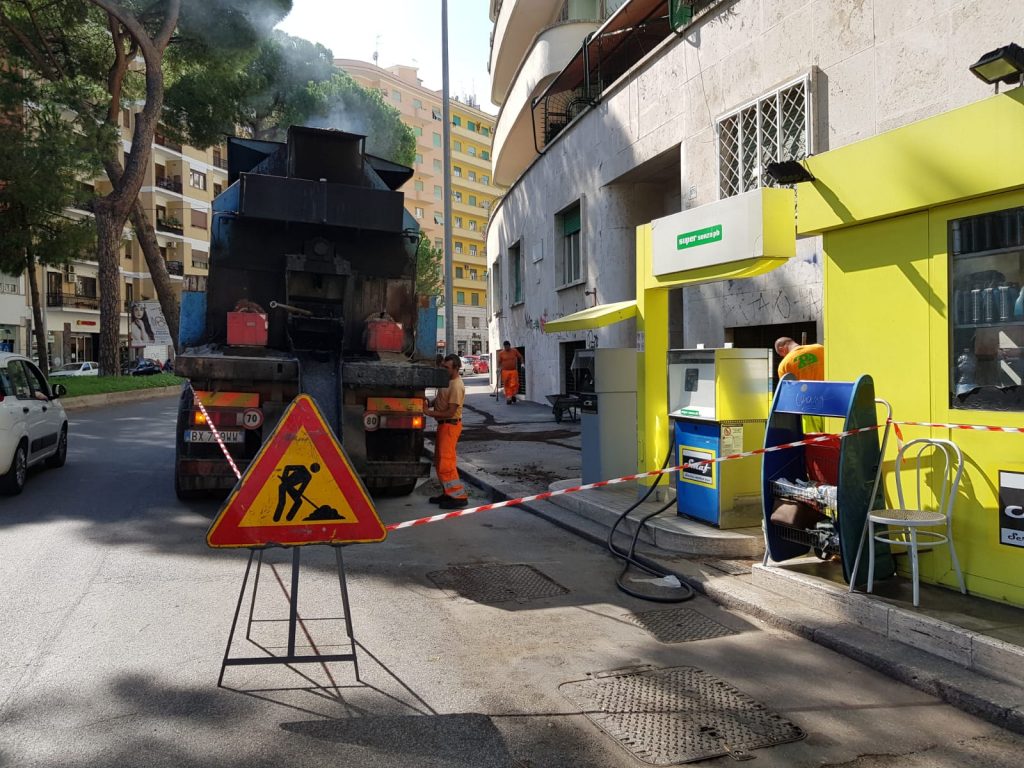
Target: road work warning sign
{"type": "Point", "coordinates": [300, 489]}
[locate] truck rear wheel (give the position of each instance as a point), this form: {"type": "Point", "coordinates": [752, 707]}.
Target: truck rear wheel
{"type": "Point", "coordinates": [398, 487]}
{"type": "Point", "coordinates": [183, 493]}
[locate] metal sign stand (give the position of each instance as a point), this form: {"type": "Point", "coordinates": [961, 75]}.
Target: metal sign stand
{"type": "Point", "coordinates": [293, 620]}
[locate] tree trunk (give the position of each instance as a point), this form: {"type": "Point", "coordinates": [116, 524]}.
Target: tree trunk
{"type": "Point", "coordinates": [37, 312]}
{"type": "Point", "coordinates": [157, 270]}
{"type": "Point", "coordinates": [108, 243]}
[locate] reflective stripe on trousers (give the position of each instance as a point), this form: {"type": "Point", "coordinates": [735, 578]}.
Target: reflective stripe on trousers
{"type": "Point", "coordinates": [510, 380]}
{"type": "Point", "coordinates": [447, 463]}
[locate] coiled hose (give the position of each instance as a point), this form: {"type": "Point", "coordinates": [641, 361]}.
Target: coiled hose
{"type": "Point", "coordinates": [629, 556]}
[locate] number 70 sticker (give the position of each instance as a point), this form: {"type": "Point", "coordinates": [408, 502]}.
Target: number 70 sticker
{"type": "Point", "coordinates": [252, 418]}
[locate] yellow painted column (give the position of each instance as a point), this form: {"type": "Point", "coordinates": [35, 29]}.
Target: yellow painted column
{"type": "Point", "coordinates": [652, 375]}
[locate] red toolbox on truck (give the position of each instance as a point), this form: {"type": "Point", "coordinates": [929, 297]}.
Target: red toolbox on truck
{"type": "Point", "coordinates": [247, 329]}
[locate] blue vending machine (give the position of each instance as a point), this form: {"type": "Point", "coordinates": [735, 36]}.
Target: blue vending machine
{"type": "Point", "coordinates": [719, 401]}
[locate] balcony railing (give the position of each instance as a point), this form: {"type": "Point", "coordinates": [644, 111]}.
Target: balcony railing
{"type": "Point", "coordinates": [169, 184]}
{"type": "Point", "coordinates": [176, 268]}
{"type": "Point", "coordinates": [163, 141]}
{"type": "Point", "coordinates": [218, 160]}
{"type": "Point", "coordinates": [170, 225]}
{"type": "Point", "coordinates": [72, 301]}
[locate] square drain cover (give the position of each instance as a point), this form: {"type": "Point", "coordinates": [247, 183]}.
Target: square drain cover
{"type": "Point", "coordinates": [677, 715]}
{"type": "Point", "coordinates": [679, 625]}
{"type": "Point", "coordinates": [497, 583]}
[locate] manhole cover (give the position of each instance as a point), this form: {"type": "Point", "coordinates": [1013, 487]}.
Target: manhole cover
{"type": "Point", "coordinates": [679, 625]}
{"type": "Point", "coordinates": [497, 583]}
{"type": "Point", "coordinates": [732, 567]}
{"type": "Point", "coordinates": [677, 715]}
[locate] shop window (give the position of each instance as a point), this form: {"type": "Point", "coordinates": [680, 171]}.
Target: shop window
{"type": "Point", "coordinates": [773, 128]}
{"type": "Point", "coordinates": [570, 264]}
{"type": "Point", "coordinates": [987, 311]}
{"type": "Point", "coordinates": [515, 267]}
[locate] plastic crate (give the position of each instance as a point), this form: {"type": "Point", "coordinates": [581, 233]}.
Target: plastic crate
{"type": "Point", "coordinates": [247, 329]}
{"type": "Point", "coordinates": [822, 460]}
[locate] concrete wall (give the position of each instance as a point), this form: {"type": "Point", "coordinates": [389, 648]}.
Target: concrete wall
{"type": "Point", "coordinates": [875, 65]}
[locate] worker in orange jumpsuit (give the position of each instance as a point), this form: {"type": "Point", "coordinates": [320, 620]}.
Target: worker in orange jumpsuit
{"type": "Point", "coordinates": [447, 409]}
{"type": "Point", "coordinates": [508, 364]}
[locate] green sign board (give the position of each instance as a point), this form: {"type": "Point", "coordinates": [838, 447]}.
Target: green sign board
{"type": "Point", "coordinates": [699, 237]}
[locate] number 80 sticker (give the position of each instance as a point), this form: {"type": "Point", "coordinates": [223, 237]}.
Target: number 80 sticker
{"type": "Point", "coordinates": [252, 418]}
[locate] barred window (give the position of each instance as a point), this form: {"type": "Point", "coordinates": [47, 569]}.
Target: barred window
{"type": "Point", "coordinates": [775, 127]}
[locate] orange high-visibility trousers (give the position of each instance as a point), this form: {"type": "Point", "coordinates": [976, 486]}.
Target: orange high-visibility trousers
{"type": "Point", "coordinates": [447, 463]}
{"type": "Point", "coordinates": [510, 380]}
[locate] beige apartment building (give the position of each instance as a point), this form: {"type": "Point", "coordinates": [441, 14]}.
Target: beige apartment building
{"type": "Point", "coordinates": [473, 192]}
{"type": "Point", "coordinates": [180, 185]}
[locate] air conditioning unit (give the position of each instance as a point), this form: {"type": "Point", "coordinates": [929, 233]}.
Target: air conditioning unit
{"type": "Point", "coordinates": [69, 269]}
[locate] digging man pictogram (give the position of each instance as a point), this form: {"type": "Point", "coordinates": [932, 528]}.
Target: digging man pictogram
{"type": "Point", "coordinates": [294, 479]}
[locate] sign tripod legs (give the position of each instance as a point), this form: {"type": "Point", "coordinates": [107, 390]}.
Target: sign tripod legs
{"type": "Point", "coordinates": [293, 620]}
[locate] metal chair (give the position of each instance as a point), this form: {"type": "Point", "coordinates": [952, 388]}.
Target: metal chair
{"type": "Point", "coordinates": [908, 526]}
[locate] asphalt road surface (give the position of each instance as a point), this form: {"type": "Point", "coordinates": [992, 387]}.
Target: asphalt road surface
{"type": "Point", "coordinates": [116, 614]}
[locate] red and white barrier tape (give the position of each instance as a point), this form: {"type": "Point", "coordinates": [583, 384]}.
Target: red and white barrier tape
{"type": "Point", "coordinates": [216, 432]}
{"type": "Point", "coordinates": [601, 484]}
{"type": "Point", "coordinates": [976, 427]}
{"type": "Point", "coordinates": [627, 478]}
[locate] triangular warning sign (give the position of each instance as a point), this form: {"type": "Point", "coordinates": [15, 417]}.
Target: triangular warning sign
{"type": "Point", "coordinates": [300, 489]}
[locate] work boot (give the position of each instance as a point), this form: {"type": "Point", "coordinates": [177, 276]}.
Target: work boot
{"type": "Point", "coordinates": [437, 499]}
{"type": "Point", "coordinates": [450, 502]}
{"type": "Point", "coordinates": [509, 401]}
{"type": "Point", "coordinates": [514, 400]}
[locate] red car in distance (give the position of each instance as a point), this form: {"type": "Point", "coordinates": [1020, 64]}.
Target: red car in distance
{"type": "Point", "coordinates": [481, 365]}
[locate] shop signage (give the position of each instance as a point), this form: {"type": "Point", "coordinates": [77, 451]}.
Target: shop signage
{"type": "Point", "coordinates": [1011, 508]}
{"type": "Point", "coordinates": [734, 229]}
{"type": "Point", "coordinates": [702, 468]}
{"type": "Point", "coordinates": [85, 322]}
{"type": "Point", "coordinates": [699, 237]}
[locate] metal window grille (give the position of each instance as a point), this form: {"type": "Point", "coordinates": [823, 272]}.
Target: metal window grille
{"type": "Point", "coordinates": [775, 127]}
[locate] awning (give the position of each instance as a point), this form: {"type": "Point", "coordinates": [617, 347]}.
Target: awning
{"type": "Point", "coordinates": [594, 317]}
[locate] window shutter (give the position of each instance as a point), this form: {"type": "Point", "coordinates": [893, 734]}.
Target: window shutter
{"type": "Point", "coordinates": [571, 221]}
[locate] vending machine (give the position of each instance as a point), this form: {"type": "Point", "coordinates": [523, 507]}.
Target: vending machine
{"type": "Point", "coordinates": [718, 402]}
{"type": "Point", "coordinates": [609, 416]}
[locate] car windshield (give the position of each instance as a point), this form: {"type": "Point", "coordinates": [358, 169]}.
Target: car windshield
{"type": "Point", "coordinates": [70, 367]}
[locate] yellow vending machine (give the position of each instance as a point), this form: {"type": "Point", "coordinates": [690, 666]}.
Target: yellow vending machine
{"type": "Point", "coordinates": [719, 401]}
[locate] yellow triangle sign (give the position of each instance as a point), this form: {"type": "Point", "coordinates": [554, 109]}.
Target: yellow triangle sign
{"type": "Point", "coordinates": [300, 489]}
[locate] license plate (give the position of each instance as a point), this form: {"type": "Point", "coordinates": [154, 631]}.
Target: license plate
{"type": "Point", "coordinates": [206, 436]}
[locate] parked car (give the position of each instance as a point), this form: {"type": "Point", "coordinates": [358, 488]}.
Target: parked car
{"type": "Point", "coordinates": [144, 367]}
{"type": "Point", "coordinates": [33, 425]}
{"type": "Point", "coordinates": [467, 367]}
{"type": "Point", "coordinates": [76, 369]}
{"type": "Point", "coordinates": [481, 365]}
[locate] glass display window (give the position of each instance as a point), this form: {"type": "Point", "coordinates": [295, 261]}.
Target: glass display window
{"type": "Point", "coordinates": [987, 311]}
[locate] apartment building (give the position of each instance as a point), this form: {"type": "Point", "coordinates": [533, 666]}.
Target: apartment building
{"type": "Point", "coordinates": [472, 187]}
{"type": "Point", "coordinates": [179, 187]}
{"type": "Point", "coordinates": [615, 113]}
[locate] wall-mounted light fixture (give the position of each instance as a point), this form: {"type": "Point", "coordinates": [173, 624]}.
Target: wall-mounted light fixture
{"type": "Point", "coordinates": [1003, 65]}
{"type": "Point", "coordinates": [788, 172]}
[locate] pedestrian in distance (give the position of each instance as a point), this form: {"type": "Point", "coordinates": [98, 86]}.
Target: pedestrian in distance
{"type": "Point", "coordinates": [447, 409]}
{"type": "Point", "coordinates": [508, 364]}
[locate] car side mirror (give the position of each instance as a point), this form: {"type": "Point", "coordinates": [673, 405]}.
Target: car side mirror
{"type": "Point", "coordinates": [59, 390]}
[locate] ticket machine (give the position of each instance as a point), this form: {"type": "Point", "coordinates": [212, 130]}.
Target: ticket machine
{"type": "Point", "coordinates": [719, 401]}
{"type": "Point", "coordinates": [609, 415]}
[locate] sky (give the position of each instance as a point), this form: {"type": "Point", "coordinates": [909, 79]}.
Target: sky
{"type": "Point", "coordinates": [404, 32]}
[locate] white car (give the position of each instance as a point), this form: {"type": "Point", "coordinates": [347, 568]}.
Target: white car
{"type": "Point", "coordinates": [33, 425]}
{"type": "Point", "coordinates": [467, 366]}
{"type": "Point", "coordinates": [76, 369]}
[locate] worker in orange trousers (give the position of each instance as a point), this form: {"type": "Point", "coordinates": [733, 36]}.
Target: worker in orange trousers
{"type": "Point", "coordinates": [508, 364]}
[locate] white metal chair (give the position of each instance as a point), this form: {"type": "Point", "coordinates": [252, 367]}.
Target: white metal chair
{"type": "Point", "coordinates": [909, 525]}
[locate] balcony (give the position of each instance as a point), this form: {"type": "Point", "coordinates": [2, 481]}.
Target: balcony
{"type": "Point", "coordinates": [171, 226]}
{"type": "Point", "coordinates": [218, 159]}
{"type": "Point", "coordinates": [72, 301]}
{"type": "Point", "coordinates": [176, 268]}
{"type": "Point", "coordinates": [161, 140]}
{"type": "Point", "coordinates": [171, 185]}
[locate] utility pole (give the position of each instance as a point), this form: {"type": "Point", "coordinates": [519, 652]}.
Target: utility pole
{"type": "Point", "coordinates": [449, 310]}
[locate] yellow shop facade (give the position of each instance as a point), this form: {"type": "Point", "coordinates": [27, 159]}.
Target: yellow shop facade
{"type": "Point", "coordinates": [923, 243]}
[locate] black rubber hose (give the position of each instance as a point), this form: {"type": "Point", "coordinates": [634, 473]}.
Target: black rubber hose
{"type": "Point", "coordinates": [629, 556]}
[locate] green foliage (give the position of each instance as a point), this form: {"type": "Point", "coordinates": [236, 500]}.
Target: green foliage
{"type": "Point", "coordinates": [429, 266]}
{"type": "Point", "coordinates": [347, 106]}
{"type": "Point", "coordinates": [42, 159]}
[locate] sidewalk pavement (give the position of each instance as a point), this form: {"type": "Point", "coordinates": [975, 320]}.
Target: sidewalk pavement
{"type": "Point", "coordinates": [966, 651]}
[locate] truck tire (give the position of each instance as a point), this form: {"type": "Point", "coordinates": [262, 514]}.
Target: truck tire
{"type": "Point", "coordinates": [398, 487]}
{"type": "Point", "coordinates": [185, 494]}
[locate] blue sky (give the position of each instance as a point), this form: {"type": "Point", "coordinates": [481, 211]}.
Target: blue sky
{"type": "Point", "coordinates": [409, 33]}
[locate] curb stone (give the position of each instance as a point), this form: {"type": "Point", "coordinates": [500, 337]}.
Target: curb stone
{"type": "Point", "coordinates": [84, 402]}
